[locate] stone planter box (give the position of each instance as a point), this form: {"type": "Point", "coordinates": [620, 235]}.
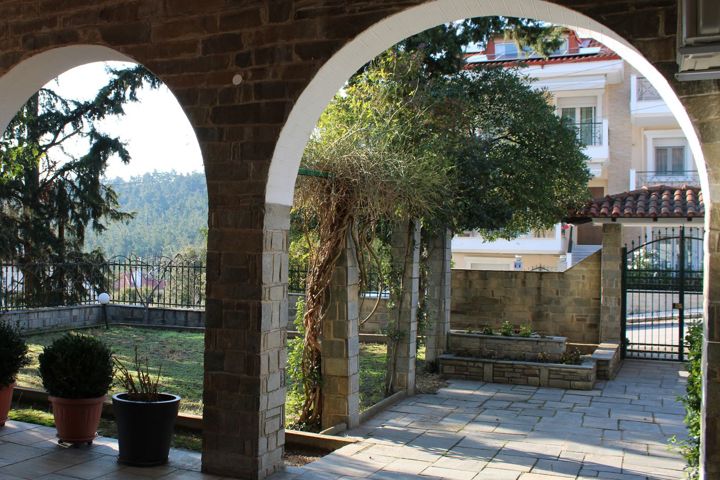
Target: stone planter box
{"type": "Point", "coordinates": [505, 348]}
{"type": "Point", "coordinates": [536, 374]}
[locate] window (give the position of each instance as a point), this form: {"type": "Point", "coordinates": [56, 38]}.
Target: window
{"type": "Point", "coordinates": [670, 156]}
{"type": "Point", "coordinates": [669, 160]}
{"type": "Point", "coordinates": [562, 49]}
{"type": "Point", "coordinates": [505, 50]}
{"type": "Point", "coordinates": [581, 112]}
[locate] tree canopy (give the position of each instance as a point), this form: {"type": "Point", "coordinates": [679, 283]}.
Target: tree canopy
{"type": "Point", "coordinates": [476, 149]}
{"type": "Point", "coordinates": [49, 197]}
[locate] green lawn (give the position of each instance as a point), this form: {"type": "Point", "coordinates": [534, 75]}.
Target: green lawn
{"type": "Point", "coordinates": [179, 353]}
{"type": "Point", "coordinates": [181, 357]}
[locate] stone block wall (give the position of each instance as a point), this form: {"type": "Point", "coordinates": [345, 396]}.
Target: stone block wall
{"type": "Point", "coordinates": [607, 358]}
{"type": "Point", "coordinates": [55, 318]}
{"type": "Point", "coordinates": [156, 316]}
{"type": "Point", "coordinates": [555, 303]}
{"type": "Point", "coordinates": [510, 348]}
{"type": "Point", "coordinates": [578, 377]}
{"type": "Point", "coordinates": [376, 323]}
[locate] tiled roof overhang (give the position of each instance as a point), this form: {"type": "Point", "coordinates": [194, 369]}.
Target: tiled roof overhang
{"type": "Point", "coordinates": [648, 203]}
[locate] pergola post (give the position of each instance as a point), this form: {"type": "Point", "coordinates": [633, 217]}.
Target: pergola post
{"type": "Point", "coordinates": [406, 259]}
{"type": "Point", "coordinates": [611, 283]}
{"type": "Point", "coordinates": [439, 295]}
{"type": "Point", "coordinates": [341, 344]}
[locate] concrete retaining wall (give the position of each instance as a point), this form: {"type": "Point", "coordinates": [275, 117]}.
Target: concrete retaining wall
{"type": "Point", "coordinates": [156, 316]}
{"type": "Point", "coordinates": [509, 348]}
{"type": "Point", "coordinates": [578, 377]}
{"type": "Point", "coordinates": [555, 303]}
{"type": "Point", "coordinates": [55, 318]}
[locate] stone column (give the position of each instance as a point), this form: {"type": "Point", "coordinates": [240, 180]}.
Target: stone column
{"type": "Point", "coordinates": [406, 259]}
{"type": "Point", "coordinates": [341, 344]}
{"type": "Point", "coordinates": [245, 352]}
{"type": "Point", "coordinates": [703, 98]}
{"type": "Point", "coordinates": [710, 436]}
{"type": "Point", "coordinates": [439, 295]}
{"type": "Point", "coordinates": [610, 283]}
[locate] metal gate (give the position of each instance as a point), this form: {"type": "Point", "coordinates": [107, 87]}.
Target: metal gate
{"type": "Point", "coordinates": [662, 282]}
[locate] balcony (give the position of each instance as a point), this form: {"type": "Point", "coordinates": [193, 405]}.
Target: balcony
{"type": "Point", "coordinates": [594, 135]}
{"type": "Point", "coordinates": [589, 133]}
{"type": "Point", "coordinates": [550, 241]}
{"type": "Point", "coordinates": [672, 179]}
{"type": "Point", "coordinates": [647, 108]}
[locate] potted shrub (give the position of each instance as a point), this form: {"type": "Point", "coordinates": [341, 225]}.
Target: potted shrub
{"type": "Point", "coordinates": [145, 417]}
{"type": "Point", "coordinates": [76, 371]}
{"type": "Point", "coordinates": [13, 356]}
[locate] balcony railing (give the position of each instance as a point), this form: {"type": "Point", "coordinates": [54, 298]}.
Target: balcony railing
{"type": "Point", "coordinates": [589, 133]}
{"type": "Point", "coordinates": [673, 179]}
{"type": "Point", "coordinates": [644, 91]}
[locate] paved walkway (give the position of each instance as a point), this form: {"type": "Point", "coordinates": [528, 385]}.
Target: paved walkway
{"type": "Point", "coordinates": [470, 430]}
{"type": "Point", "coordinates": [31, 452]}
{"type": "Point", "coordinates": [475, 430]}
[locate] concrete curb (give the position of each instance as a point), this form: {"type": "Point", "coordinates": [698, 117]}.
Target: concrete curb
{"type": "Point", "coordinates": [194, 423]}
{"type": "Point", "coordinates": [381, 405]}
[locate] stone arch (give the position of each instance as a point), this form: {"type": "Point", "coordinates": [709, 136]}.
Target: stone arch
{"type": "Point", "coordinates": [20, 83]}
{"type": "Point", "coordinates": [392, 29]}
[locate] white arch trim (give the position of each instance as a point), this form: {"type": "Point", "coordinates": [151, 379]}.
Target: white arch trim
{"type": "Point", "coordinates": [26, 78]}
{"type": "Point", "coordinates": [373, 41]}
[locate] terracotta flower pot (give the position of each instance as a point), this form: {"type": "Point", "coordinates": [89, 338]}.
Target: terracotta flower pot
{"type": "Point", "coordinates": [5, 401]}
{"type": "Point", "coordinates": [77, 420]}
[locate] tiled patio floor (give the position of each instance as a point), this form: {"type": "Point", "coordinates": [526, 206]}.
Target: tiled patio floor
{"type": "Point", "coordinates": [470, 430]}
{"type": "Point", "coordinates": [31, 452]}
{"type": "Point", "coordinates": [475, 430]}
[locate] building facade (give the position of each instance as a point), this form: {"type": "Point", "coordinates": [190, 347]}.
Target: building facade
{"type": "Point", "coordinates": [631, 139]}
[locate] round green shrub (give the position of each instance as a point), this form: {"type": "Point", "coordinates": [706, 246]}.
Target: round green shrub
{"type": "Point", "coordinates": [76, 366]}
{"type": "Point", "coordinates": [13, 354]}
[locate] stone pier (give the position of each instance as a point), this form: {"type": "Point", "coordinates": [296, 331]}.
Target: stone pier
{"type": "Point", "coordinates": [439, 295]}
{"type": "Point", "coordinates": [610, 283]}
{"type": "Point", "coordinates": [406, 258]}
{"type": "Point", "coordinates": [341, 345]}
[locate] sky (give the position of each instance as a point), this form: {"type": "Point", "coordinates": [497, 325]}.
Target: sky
{"type": "Point", "coordinates": [157, 132]}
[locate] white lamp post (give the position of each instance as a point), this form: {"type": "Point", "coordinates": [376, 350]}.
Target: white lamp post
{"type": "Point", "coordinates": [104, 299]}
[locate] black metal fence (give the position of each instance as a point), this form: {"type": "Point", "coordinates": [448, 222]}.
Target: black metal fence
{"type": "Point", "coordinates": [172, 282]}
{"type": "Point", "coordinates": [297, 280]}
{"type": "Point", "coordinates": [662, 282]}
{"type": "Point", "coordinates": [159, 282]}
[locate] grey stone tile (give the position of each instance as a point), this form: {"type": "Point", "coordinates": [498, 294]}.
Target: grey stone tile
{"type": "Point", "coordinates": [92, 469]}
{"type": "Point", "coordinates": [517, 462]}
{"type": "Point", "coordinates": [34, 467]}
{"type": "Point", "coordinates": [497, 474]}
{"type": "Point", "coordinates": [11, 452]}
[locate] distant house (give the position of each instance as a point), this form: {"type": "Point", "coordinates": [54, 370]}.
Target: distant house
{"type": "Point", "coordinates": [630, 136]}
{"type": "Point", "coordinates": [138, 279]}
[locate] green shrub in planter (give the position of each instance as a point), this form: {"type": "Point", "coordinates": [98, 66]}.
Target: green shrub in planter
{"type": "Point", "coordinates": [76, 366]}
{"type": "Point", "coordinates": [13, 354]}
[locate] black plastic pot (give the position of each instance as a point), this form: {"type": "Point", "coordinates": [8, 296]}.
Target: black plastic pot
{"type": "Point", "coordinates": [145, 429]}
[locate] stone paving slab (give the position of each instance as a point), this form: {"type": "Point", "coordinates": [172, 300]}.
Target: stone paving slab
{"type": "Point", "coordinates": [30, 451]}
{"type": "Point", "coordinates": [467, 431]}
{"type": "Point", "coordinates": [477, 431]}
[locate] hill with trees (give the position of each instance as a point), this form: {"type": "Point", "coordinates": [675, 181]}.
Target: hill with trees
{"type": "Point", "coordinates": [170, 214]}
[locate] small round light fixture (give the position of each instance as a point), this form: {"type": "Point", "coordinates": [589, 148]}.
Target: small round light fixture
{"type": "Point", "coordinates": [103, 298]}
{"type": "Point", "coordinates": [237, 79]}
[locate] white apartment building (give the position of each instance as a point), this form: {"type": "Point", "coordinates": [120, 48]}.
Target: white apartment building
{"type": "Point", "coordinates": [631, 138]}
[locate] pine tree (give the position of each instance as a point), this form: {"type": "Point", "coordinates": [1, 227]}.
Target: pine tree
{"type": "Point", "coordinates": [49, 197]}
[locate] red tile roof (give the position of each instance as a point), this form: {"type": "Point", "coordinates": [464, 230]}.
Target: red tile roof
{"type": "Point", "coordinates": [648, 202]}
{"type": "Point", "coordinates": [572, 56]}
